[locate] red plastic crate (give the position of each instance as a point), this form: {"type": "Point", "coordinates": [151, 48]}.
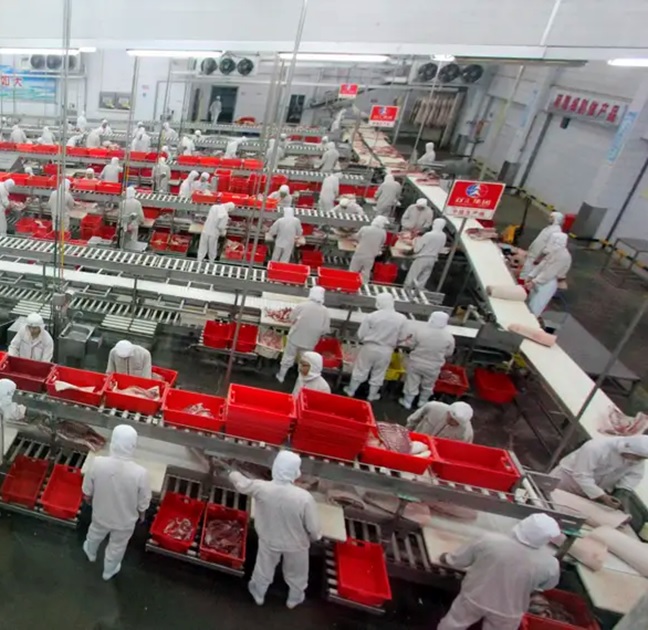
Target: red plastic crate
{"type": "Point", "coordinates": [23, 147]}
{"type": "Point", "coordinates": [41, 181]}
{"type": "Point", "coordinates": [129, 402]}
{"type": "Point", "coordinates": [399, 461]}
{"type": "Point", "coordinates": [324, 444]}
{"type": "Point", "coordinates": [152, 213]}
{"type": "Point", "coordinates": [62, 497]}
{"type": "Point", "coordinates": [109, 188]}
{"type": "Point", "coordinates": [252, 165]}
{"type": "Point", "coordinates": [159, 241]}
{"type": "Point", "coordinates": [474, 464]}
{"type": "Point", "coordinates": [288, 273]}
{"type": "Point", "coordinates": [259, 255]}
{"type": "Point", "coordinates": [25, 373]}
{"type": "Point", "coordinates": [84, 184]}
{"type": "Point", "coordinates": [25, 225]}
{"type": "Point", "coordinates": [204, 197]}
{"type": "Point", "coordinates": [213, 512]}
{"type": "Point", "coordinates": [167, 375]}
{"type": "Point", "coordinates": [247, 337]}
{"type": "Point", "coordinates": [312, 258]}
{"type": "Point", "coordinates": [568, 222]}
{"type": "Point", "coordinates": [362, 572]}
{"type": "Point", "coordinates": [81, 378]}
{"type": "Point", "coordinates": [179, 243]}
{"type": "Point", "coordinates": [573, 603]}
{"type": "Point", "coordinates": [385, 273]}
{"type": "Point", "coordinates": [98, 153]}
{"type": "Point", "coordinates": [173, 506]}
{"type": "Point", "coordinates": [24, 480]}
{"type": "Point", "coordinates": [177, 400]}
{"type": "Point", "coordinates": [315, 407]}
{"type": "Point", "coordinates": [446, 386]}
{"type": "Point", "coordinates": [495, 387]}
{"type": "Point", "coordinates": [77, 151]}
{"type": "Point", "coordinates": [7, 146]}
{"type": "Point", "coordinates": [331, 350]}
{"type": "Point", "coordinates": [339, 280]}
{"type": "Point", "coordinates": [231, 162]}
{"type": "Point", "coordinates": [218, 334]}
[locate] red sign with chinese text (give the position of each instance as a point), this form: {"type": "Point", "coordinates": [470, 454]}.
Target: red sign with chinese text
{"type": "Point", "coordinates": [474, 199]}
{"type": "Point", "coordinates": [383, 115]}
{"type": "Point", "coordinates": [587, 107]}
{"type": "Point", "coordinates": [348, 90]}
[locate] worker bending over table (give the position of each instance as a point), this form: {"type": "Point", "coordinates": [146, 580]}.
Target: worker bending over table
{"type": "Point", "coordinates": [128, 358]}
{"type": "Point", "coordinates": [438, 419]}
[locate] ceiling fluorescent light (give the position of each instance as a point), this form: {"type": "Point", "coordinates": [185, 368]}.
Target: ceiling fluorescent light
{"type": "Point", "coordinates": [87, 49]}
{"type": "Point", "coordinates": [630, 63]}
{"type": "Point", "coordinates": [177, 54]}
{"type": "Point", "coordinates": [444, 58]}
{"type": "Point", "coordinates": [38, 51]}
{"type": "Point", "coordinates": [339, 57]}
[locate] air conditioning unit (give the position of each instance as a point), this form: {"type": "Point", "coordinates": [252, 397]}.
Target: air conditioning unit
{"type": "Point", "coordinates": [426, 71]}
{"type": "Point", "coordinates": [232, 66]}
{"type": "Point", "coordinates": [49, 64]}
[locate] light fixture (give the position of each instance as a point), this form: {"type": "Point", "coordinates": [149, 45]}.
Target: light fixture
{"type": "Point", "coordinates": [444, 58]}
{"type": "Point", "coordinates": [87, 49]}
{"type": "Point", "coordinates": [38, 51]}
{"type": "Point", "coordinates": [629, 63]}
{"type": "Point", "coordinates": [177, 54]}
{"type": "Point", "coordinates": [339, 57]}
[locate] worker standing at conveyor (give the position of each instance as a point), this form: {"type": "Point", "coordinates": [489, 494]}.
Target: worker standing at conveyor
{"type": "Point", "coordinates": [131, 217]}
{"type": "Point", "coordinates": [603, 465]}
{"type": "Point", "coordinates": [438, 419]}
{"type": "Point", "coordinates": [541, 241]}
{"type": "Point", "coordinates": [329, 159]}
{"type": "Point", "coordinates": [283, 197]}
{"type": "Point", "coordinates": [32, 341]}
{"type": "Point", "coordinates": [141, 141]}
{"type": "Point", "coordinates": [203, 182]}
{"type": "Point", "coordinates": [232, 146]}
{"type": "Point", "coordinates": [46, 137]}
{"type": "Point", "coordinates": [215, 110]}
{"type": "Point", "coordinates": [161, 175]}
{"type": "Point", "coordinates": [388, 195]}
{"type": "Point", "coordinates": [329, 192]}
{"type": "Point", "coordinates": [371, 239]}
{"type": "Point", "coordinates": [93, 141]}
{"type": "Point", "coordinates": [432, 343]}
{"type": "Point", "coordinates": [429, 157]}
{"type": "Point", "coordinates": [349, 206]}
{"type": "Point", "coordinates": [75, 140]}
{"type": "Point", "coordinates": [502, 572]}
{"type": "Point", "coordinates": [5, 203]}
{"type": "Point", "coordinates": [67, 206]}
{"type": "Point", "coordinates": [187, 186]}
{"type": "Point", "coordinates": [128, 358]}
{"type": "Point", "coordinates": [284, 232]}
{"type": "Point", "coordinates": [17, 135]}
{"type": "Point", "coordinates": [281, 148]}
{"type": "Point", "coordinates": [286, 522]}
{"type": "Point", "coordinates": [379, 334]}
{"type": "Point", "coordinates": [426, 250]}
{"type": "Point", "coordinates": [81, 121]}
{"type": "Point", "coordinates": [11, 411]}
{"type": "Point", "coordinates": [542, 281]}
{"type": "Point", "coordinates": [90, 174]}
{"type": "Point", "coordinates": [310, 374]}
{"type": "Point", "coordinates": [188, 146]}
{"type": "Point", "coordinates": [418, 217]}
{"type": "Point", "coordinates": [120, 493]}
{"type": "Point", "coordinates": [214, 228]}
{"type": "Point", "coordinates": [169, 135]}
{"type": "Point", "coordinates": [104, 129]}
{"type": "Point", "coordinates": [112, 171]}
{"type": "Point", "coordinates": [311, 320]}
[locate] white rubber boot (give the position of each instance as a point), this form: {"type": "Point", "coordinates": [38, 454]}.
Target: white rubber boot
{"type": "Point", "coordinates": [350, 390]}
{"type": "Point", "coordinates": [374, 394]}
{"type": "Point", "coordinates": [406, 401]}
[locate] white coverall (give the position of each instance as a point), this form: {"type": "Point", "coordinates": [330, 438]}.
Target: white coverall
{"type": "Point", "coordinates": [432, 419]}
{"type": "Point", "coordinates": [214, 228]}
{"type": "Point", "coordinates": [5, 204]}
{"type": "Point", "coordinates": [349, 206]}
{"type": "Point", "coordinates": [161, 175]}
{"type": "Point", "coordinates": [417, 218]}
{"type": "Point", "coordinates": [502, 572]}
{"type": "Point", "coordinates": [329, 159]}
{"type": "Point", "coordinates": [17, 135]}
{"type": "Point", "coordinates": [141, 142]}
{"type": "Point", "coordinates": [188, 146]}
{"type": "Point", "coordinates": [131, 206]}
{"type": "Point", "coordinates": [426, 252]}
{"type": "Point", "coordinates": [281, 149]}
{"type": "Point", "coordinates": [429, 157]}
{"type": "Point", "coordinates": [387, 195]}
{"type": "Point", "coordinates": [284, 231]}
{"type": "Point", "coordinates": [105, 129]}
{"type": "Point", "coordinates": [329, 192]}
{"type": "Point", "coordinates": [112, 171]}
{"type": "Point", "coordinates": [187, 186]}
{"type": "Point", "coordinates": [11, 411]}
{"type": "Point", "coordinates": [169, 135]}
{"type": "Point", "coordinates": [371, 240]}
{"type": "Point", "coordinates": [93, 141]}
{"type": "Point", "coordinates": [66, 207]}
{"type": "Point", "coordinates": [39, 348]}
{"type": "Point", "coordinates": [314, 379]}
{"type": "Point", "coordinates": [120, 492]}
{"type": "Point", "coordinates": [286, 522]}
{"type": "Point", "coordinates": [47, 137]}
{"type": "Point", "coordinates": [215, 110]}
{"type": "Point", "coordinates": [541, 241]}
{"type": "Point", "coordinates": [283, 202]}
{"type": "Point", "coordinates": [379, 334]}
{"type": "Point", "coordinates": [598, 467]}
{"type": "Point", "coordinates": [232, 147]}
{"type": "Point", "coordinates": [81, 121]}
{"type": "Point", "coordinates": [138, 364]}
{"type": "Point", "coordinates": [432, 344]}
{"type": "Point", "coordinates": [311, 321]}
{"type": "Point", "coordinates": [546, 274]}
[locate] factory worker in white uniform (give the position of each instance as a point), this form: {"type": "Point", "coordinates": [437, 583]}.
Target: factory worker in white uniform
{"type": "Point", "coordinates": [601, 466]}
{"type": "Point", "coordinates": [90, 174]}
{"type": "Point", "coordinates": [232, 147]}
{"type": "Point", "coordinates": [329, 159]}
{"type": "Point", "coordinates": [542, 281]}
{"type": "Point", "coordinates": [161, 175]}
{"type": "Point", "coordinates": [418, 217]}
{"type": "Point", "coordinates": [329, 192]}
{"type": "Point", "coordinates": [502, 572]}
{"type": "Point", "coordinates": [188, 146]}
{"type": "Point", "coordinates": [348, 205]}
{"type": "Point", "coordinates": [131, 216]}
{"type": "Point", "coordinates": [387, 195]}
{"type": "Point", "coordinates": [379, 334]}
{"type": "Point", "coordinates": [215, 109]}
{"type": "Point", "coordinates": [214, 228]}
{"type": "Point", "coordinates": [120, 493]}
{"type": "Point", "coordinates": [283, 232]}
{"type": "Point", "coordinates": [141, 141]}
{"type": "Point", "coordinates": [203, 182]}
{"type": "Point", "coordinates": [17, 135]}
{"type": "Point", "coordinates": [371, 240]}
{"type": "Point", "coordinates": [438, 419]}
{"type": "Point", "coordinates": [81, 121]}
{"type": "Point", "coordinates": [169, 135]}
{"type": "Point", "coordinates": [5, 203]}
{"type": "Point", "coordinates": [426, 250]}
{"type": "Point", "coordinates": [283, 196]}
{"type": "Point", "coordinates": [429, 157]}
{"type": "Point", "coordinates": [32, 341]}
{"type": "Point", "coordinates": [286, 521]}
{"type": "Point", "coordinates": [541, 241]}
{"type": "Point", "coordinates": [187, 186]}
{"type": "Point", "coordinates": [128, 358]}
{"type": "Point", "coordinates": [67, 205]}
{"type": "Point", "coordinates": [311, 320]}
{"type": "Point", "coordinates": [336, 125]}
{"type": "Point", "coordinates": [310, 374]}
{"type": "Point", "coordinates": [281, 148]}
{"type": "Point", "coordinates": [93, 141]}
{"type": "Point", "coordinates": [112, 171]}
{"type": "Point", "coordinates": [432, 343]}
{"type": "Point", "coordinates": [104, 129]}
{"type": "Point", "coordinates": [11, 411]}
{"type": "Point", "coordinates": [75, 141]}
{"type": "Point", "coordinates": [46, 137]}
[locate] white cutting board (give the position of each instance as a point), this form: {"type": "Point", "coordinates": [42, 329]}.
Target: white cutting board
{"type": "Point", "coordinates": [439, 541]}
{"type": "Point", "coordinates": [613, 590]}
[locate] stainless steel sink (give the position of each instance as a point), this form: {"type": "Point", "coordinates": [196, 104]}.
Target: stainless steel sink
{"type": "Point", "coordinates": [74, 339]}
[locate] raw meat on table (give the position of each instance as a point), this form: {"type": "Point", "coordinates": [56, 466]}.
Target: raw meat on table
{"type": "Point", "coordinates": [179, 528]}
{"type": "Point", "coordinates": [198, 410]}
{"type": "Point", "coordinates": [151, 393]}
{"type": "Point", "coordinates": [279, 314]}
{"type": "Point", "coordinates": [224, 536]}
{"type": "Point", "coordinates": [542, 606]}
{"type": "Point", "coordinates": [271, 338]}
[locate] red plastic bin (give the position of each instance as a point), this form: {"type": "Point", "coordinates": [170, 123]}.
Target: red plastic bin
{"type": "Point", "coordinates": [247, 337]}
{"type": "Point", "coordinates": [399, 461]}
{"type": "Point", "coordinates": [63, 495]}
{"type": "Point", "coordinates": [573, 604]}
{"type": "Point", "coordinates": [568, 223]}
{"type": "Point", "coordinates": [81, 378]}
{"type": "Point", "coordinates": [25, 225]}
{"type": "Point", "coordinates": [325, 444]}
{"type": "Point", "coordinates": [159, 241]}
{"type": "Point", "coordinates": [215, 512]}
{"type": "Point", "coordinates": [109, 188]}
{"type": "Point", "coordinates": [474, 464]}
{"type": "Point", "coordinates": [331, 350]}
{"type": "Point", "coordinates": [218, 334]}
{"type": "Point", "coordinates": [312, 258]}
{"type": "Point", "coordinates": [25, 373]}
{"type": "Point", "coordinates": [179, 243]}
{"type": "Point", "coordinates": [288, 273]}
{"type": "Point", "coordinates": [362, 572]}
{"type": "Point", "coordinates": [24, 480]}
{"type": "Point", "coordinates": [177, 401]}
{"type": "Point", "coordinates": [315, 407]}
{"type": "Point", "coordinates": [495, 387]}
{"type": "Point", "coordinates": [452, 380]}
{"type": "Point", "coordinates": [385, 273]}
{"type": "Point", "coordinates": [339, 280]}
{"type": "Point", "coordinates": [128, 402]}
{"type": "Point", "coordinates": [176, 506]}
{"type": "Point", "coordinates": [165, 374]}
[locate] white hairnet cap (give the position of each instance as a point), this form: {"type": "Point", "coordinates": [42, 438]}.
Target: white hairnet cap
{"type": "Point", "coordinates": [557, 218]}
{"type": "Point", "coordinates": [286, 467]}
{"type": "Point", "coordinates": [315, 360]}
{"type": "Point", "coordinates": [9, 184]}
{"type": "Point", "coordinates": [438, 225]}
{"type": "Point", "coordinates": [123, 441]}
{"type": "Point", "coordinates": [462, 412]}
{"type": "Point", "coordinates": [429, 146]}
{"type": "Point", "coordinates": [198, 133]}
{"type": "Point", "coordinates": [192, 175]}
{"type": "Point", "coordinates": [89, 171]}
{"type": "Point", "coordinates": [34, 319]}
{"type": "Point", "coordinates": [204, 175]}
{"type": "Point", "coordinates": [289, 213]}
{"type": "Point", "coordinates": [384, 302]}
{"type": "Point", "coordinates": [162, 161]}
{"type": "Point", "coordinates": [344, 202]}
{"type": "Point", "coordinates": [536, 530]}
{"type": "Point", "coordinates": [282, 136]}
{"type": "Point", "coordinates": [316, 294]}
{"type": "Point", "coordinates": [422, 202]}
{"type": "Point", "coordinates": [7, 389]}
{"type": "Point", "coordinates": [104, 121]}
{"type": "Point", "coordinates": [114, 161]}
{"type": "Point", "coordinates": [124, 349]}
{"type": "Point", "coordinates": [325, 139]}
{"type": "Point", "coordinates": [130, 192]}
{"type": "Point", "coordinates": [634, 445]}
{"type": "Point", "coordinates": [330, 145]}
{"type": "Point", "coordinates": [284, 189]}
{"type": "Point", "coordinates": [380, 222]}
{"type": "Point", "coordinates": [389, 178]}
{"type": "Point", "coordinates": [229, 206]}
{"type": "Point", "coordinates": [438, 319]}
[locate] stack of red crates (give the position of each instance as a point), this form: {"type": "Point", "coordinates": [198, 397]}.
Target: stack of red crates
{"type": "Point", "coordinates": [330, 425]}
{"type": "Point", "coordinates": [90, 225]}
{"type": "Point", "coordinates": [331, 350]}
